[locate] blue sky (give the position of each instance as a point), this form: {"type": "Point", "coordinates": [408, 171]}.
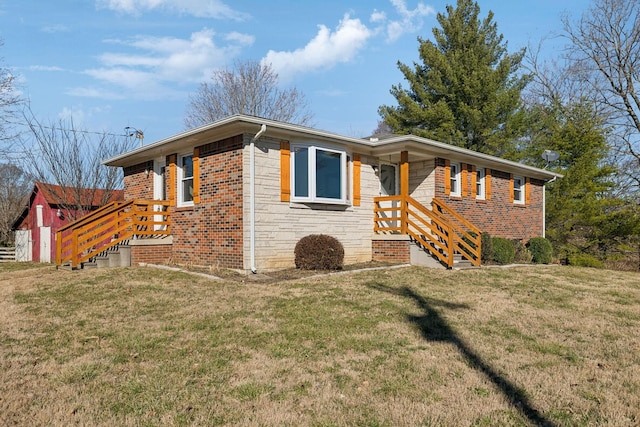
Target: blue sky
{"type": "Point", "coordinates": [109, 64]}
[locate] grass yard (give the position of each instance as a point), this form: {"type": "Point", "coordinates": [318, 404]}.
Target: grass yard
{"type": "Point", "coordinates": [395, 347]}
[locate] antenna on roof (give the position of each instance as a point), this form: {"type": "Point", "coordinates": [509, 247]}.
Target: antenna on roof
{"type": "Point", "coordinates": [131, 131]}
{"type": "Point", "coordinates": [550, 156]}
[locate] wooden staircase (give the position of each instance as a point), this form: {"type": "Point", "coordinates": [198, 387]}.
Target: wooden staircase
{"type": "Point", "coordinates": [95, 235]}
{"type": "Point", "coordinates": [440, 231]}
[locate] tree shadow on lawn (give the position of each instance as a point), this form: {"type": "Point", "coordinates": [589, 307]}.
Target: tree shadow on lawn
{"type": "Point", "coordinates": [435, 328]}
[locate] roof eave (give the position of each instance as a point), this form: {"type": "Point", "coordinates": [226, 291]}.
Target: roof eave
{"type": "Point", "coordinates": [242, 123]}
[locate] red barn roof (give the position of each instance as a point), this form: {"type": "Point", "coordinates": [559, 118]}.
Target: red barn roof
{"type": "Point", "coordinates": [89, 197]}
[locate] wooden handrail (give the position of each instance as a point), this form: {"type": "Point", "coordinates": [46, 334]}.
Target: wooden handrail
{"type": "Point", "coordinates": [467, 236]}
{"type": "Point", "coordinates": [441, 231]}
{"type": "Point", "coordinates": [108, 226]}
{"type": "Point", "coordinates": [439, 203]}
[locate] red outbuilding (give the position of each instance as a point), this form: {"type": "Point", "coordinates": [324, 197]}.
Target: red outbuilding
{"type": "Point", "coordinates": [51, 207]}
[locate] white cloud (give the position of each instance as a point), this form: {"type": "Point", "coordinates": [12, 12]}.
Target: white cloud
{"type": "Point", "coordinates": [45, 68]}
{"type": "Point", "coordinates": [410, 20]}
{"type": "Point", "coordinates": [378, 16]}
{"type": "Point", "coordinates": [159, 62]}
{"type": "Point", "coordinates": [324, 51]}
{"type": "Point", "coordinates": [81, 114]}
{"type": "Point", "coordinates": [55, 29]}
{"type": "Point", "coordinates": [197, 8]}
{"type": "Point", "coordinates": [243, 39]}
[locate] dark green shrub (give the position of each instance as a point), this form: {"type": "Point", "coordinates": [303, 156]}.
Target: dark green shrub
{"type": "Point", "coordinates": [469, 242]}
{"type": "Point", "coordinates": [541, 250]}
{"type": "Point", "coordinates": [486, 249]}
{"type": "Point", "coordinates": [503, 250]}
{"type": "Point", "coordinates": [319, 252]}
{"type": "Point", "coordinates": [522, 253]}
{"type": "Point", "coordinates": [584, 260]}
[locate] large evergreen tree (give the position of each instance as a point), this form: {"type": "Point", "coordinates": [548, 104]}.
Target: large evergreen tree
{"type": "Point", "coordinates": [579, 204]}
{"type": "Point", "coordinates": [466, 91]}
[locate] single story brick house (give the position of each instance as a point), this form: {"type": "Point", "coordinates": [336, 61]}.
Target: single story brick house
{"type": "Point", "coordinates": [242, 191]}
{"type": "Point", "coordinates": [49, 208]}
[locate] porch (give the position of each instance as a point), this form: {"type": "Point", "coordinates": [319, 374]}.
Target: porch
{"type": "Point", "coordinates": [437, 230]}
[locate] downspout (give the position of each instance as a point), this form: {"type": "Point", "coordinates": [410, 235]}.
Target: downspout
{"type": "Point", "coordinates": [252, 196]}
{"type": "Point", "coordinates": [544, 206]}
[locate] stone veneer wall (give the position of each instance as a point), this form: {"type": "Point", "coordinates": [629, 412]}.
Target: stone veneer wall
{"type": "Point", "coordinates": [498, 215]}
{"type": "Point", "coordinates": [279, 225]}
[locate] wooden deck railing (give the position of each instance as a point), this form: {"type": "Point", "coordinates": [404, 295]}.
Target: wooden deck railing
{"type": "Point", "coordinates": [441, 231]}
{"type": "Point", "coordinates": [108, 226]}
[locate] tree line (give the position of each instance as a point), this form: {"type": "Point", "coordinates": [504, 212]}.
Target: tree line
{"type": "Point", "coordinates": [466, 89]}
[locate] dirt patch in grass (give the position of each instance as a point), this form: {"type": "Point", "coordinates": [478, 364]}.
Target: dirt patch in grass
{"type": "Point", "coordinates": [410, 346]}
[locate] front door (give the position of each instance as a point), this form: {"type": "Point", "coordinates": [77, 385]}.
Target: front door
{"type": "Point", "coordinates": [389, 187]}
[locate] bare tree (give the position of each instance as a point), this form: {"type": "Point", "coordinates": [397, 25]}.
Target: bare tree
{"type": "Point", "coordinates": [9, 102]}
{"type": "Point", "coordinates": [605, 49]}
{"type": "Point", "coordinates": [250, 88]}
{"type": "Point", "coordinates": [14, 191]}
{"type": "Point", "coordinates": [59, 153]}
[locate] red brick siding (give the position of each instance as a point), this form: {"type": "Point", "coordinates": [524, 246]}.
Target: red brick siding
{"type": "Point", "coordinates": [391, 250]}
{"type": "Point", "coordinates": [498, 215]}
{"type": "Point", "coordinates": [211, 232]}
{"type": "Point", "coordinates": [137, 183]}
{"type": "Point", "coordinates": [155, 254]}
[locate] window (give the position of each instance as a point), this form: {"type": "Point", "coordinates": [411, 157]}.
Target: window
{"type": "Point", "coordinates": [518, 190]}
{"type": "Point", "coordinates": [319, 175]}
{"type": "Point", "coordinates": [480, 184]}
{"type": "Point", "coordinates": [454, 180]}
{"type": "Point", "coordinates": [185, 180]}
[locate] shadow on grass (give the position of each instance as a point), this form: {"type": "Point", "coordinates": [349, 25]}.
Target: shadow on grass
{"type": "Point", "coordinates": [435, 328]}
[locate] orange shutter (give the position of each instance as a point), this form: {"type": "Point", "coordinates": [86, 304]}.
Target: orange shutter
{"type": "Point", "coordinates": [404, 173]}
{"type": "Point", "coordinates": [474, 181]}
{"type": "Point", "coordinates": [463, 178]}
{"type": "Point", "coordinates": [511, 188]}
{"type": "Point", "coordinates": [527, 191]}
{"type": "Point", "coordinates": [447, 177]}
{"type": "Point", "coordinates": [285, 171]}
{"type": "Point", "coordinates": [196, 175]}
{"type": "Point", "coordinates": [356, 180]}
{"type": "Point", "coordinates": [487, 183]}
{"type": "Point", "coordinates": [172, 159]}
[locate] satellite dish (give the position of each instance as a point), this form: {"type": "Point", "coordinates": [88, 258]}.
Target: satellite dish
{"type": "Point", "coordinates": [550, 155]}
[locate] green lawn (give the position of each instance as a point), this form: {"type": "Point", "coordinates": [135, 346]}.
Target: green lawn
{"type": "Point", "coordinates": [410, 346]}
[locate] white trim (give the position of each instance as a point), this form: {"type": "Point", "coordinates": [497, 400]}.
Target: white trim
{"type": "Point", "coordinates": [180, 178]}
{"type": "Point", "coordinates": [457, 178]}
{"type": "Point", "coordinates": [481, 184]}
{"type": "Point", "coordinates": [519, 200]}
{"type": "Point", "coordinates": [312, 197]}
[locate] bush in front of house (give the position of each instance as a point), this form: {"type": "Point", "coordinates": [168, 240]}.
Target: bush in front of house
{"type": "Point", "coordinates": [522, 254]}
{"type": "Point", "coordinates": [319, 252]}
{"type": "Point", "coordinates": [541, 250]}
{"type": "Point", "coordinates": [486, 249]}
{"type": "Point", "coordinates": [503, 250]}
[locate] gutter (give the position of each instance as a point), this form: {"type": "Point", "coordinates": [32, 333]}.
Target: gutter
{"type": "Point", "coordinates": [252, 196]}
